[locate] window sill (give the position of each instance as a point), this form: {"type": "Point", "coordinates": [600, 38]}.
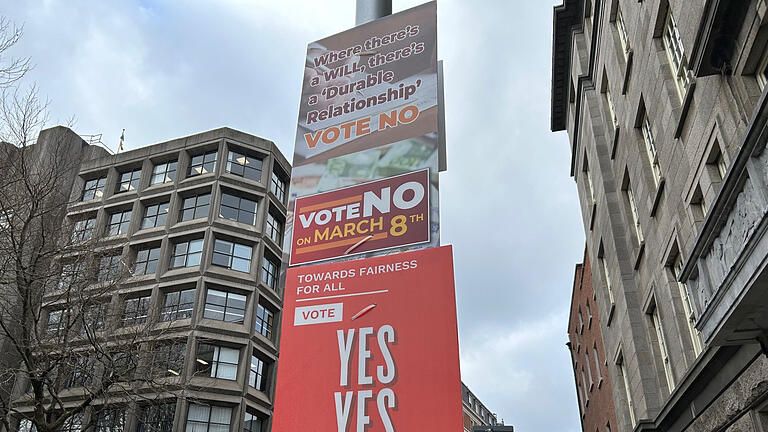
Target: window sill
{"type": "Point", "coordinates": [657, 198]}
{"type": "Point", "coordinates": [592, 215]}
{"type": "Point", "coordinates": [615, 143]}
{"type": "Point", "coordinates": [684, 109]}
{"type": "Point", "coordinates": [639, 256]}
{"type": "Point", "coordinates": [610, 315]}
{"type": "Point", "coordinates": [627, 71]}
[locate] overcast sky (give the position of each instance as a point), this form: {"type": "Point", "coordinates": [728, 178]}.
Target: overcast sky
{"type": "Point", "coordinates": [166, 69]}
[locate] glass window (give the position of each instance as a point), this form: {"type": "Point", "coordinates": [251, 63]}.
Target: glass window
{"type": "Point", "coordinates": [80, 371]}
{"type": "Point", "coordinates": [224, 306]}
{"type": "Point", "coordinates": [217, 362]}
{"type": "Point", "coordinates": [203, 163]}
{"type": "Point", "coordinates": [94, 318]}
{"type": "Point", "coordinates": [252, 423]}
{"type": "Point", "coordinates": [264, 321]}
{"type": "Point", "coordinates": [677, 269]}
{"type": "Point", "coordinates": [73, 424]}
{"type": "Point", "coordinates": [187, 253]}
{"type": "Point", "coordinates": [94, 189]}
{"type": "Point", "coordinates": [167, 358]}
{"type": "Point", "coordinates": [274, 229]}
{"type": "Point", "coordinates": [269, 272]}
{"type": "Point", "coordinates": [635, 215]}
{"type": "Point", "coordinates": [597, 364]}
{"type": "Point", "coordinates": [203, 418]}
{"type": "Point", "coordinates": [155, 215]}
{"type": "Point", "coordinates": [156, 418]}
{"type": "Point", "coordinates": [119, 223]}
{"type": "Point", "coordinates": [237, 208]}
{"type": "Point", "coordinates": [136, 311]}
{"type": "Point", "coordinates": [278, 187]}
{"type": "Point", "coordinates": [83, 230]}
{"type": "Point", "coordinates": [195, 207]}
{"type": "Point", "coordinates": [232, 255]}
{"type": "Point", "coordinates": [146, 261]}
{"type": "Point", "coordinates": [622, 30]}
{"type": "Point", "coordinates": [650, 149]}
{"type": "Point", "coordinates": [129, 181]}
{"type": "Point", "coordinates": [257, 378]}
{"type": "Point", "coordinates": [57, 320]}
{"type": "Point", "coordinates": [178, 305]}
{"type": "Point", "coordinates": [164, 172]}
{"type": "Point", "coordinates": [611, 107]}
{"type": "Point", "coordinates": [244, 166]}
{"type": "Point", "coordinates": [110, 420]}
{"type": "Point", "coordinates": [26, 425]}
{"type": "Point", "coordinates": [661, 341]}
{"type": "Point", "coordinates": [109, 268]}
{"type": "Point", "coordinates": [678, 61]}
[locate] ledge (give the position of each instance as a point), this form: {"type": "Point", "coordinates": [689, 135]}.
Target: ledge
{"type": "Point", "coordinates": [640, 252]}
{"type": "Point", "coordinates": [684, 111]}
{"type": "Point", "coordinates": [592, 215]}
{"type": "Point", "coordinates": [657, 198]}
{"type": "Point", "coordinates": [627, 71]}
{"type": "Point", "coordinates": [615, 143]}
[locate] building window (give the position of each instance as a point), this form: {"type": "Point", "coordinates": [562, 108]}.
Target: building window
{"type": "Point", "coordinates": [584, 387]}
{"type": "Point", "coordinates": [156, 418]}
{"type": "Point", "coordinates": [269, 272]}
{"type": "Point", "coordinates": [110, 420]}
{"type": "Point", "coordinates": [167, 358]}
{"type": "Point", "coordinates": [187, 253]}
{"type": "Point", "coordinates": [650, 149]}
{"type": "Point", "coordinates": [761, 74]}
{"type": "Point", "coordinates": [155, 215]}
{"type": "Point", "coordinates": [129, 181]}
{"type": "Point", "coordinates": [606, 273]}
{"type": "Point", "coordinates": [274, 229]}
{"type": "Point", "coordinates": [627, 390]}
{"type": "Point", "coordinates": [83, 230]}
{"type": "Point", "coordinates": [203, 163]}
{"type": "Point", "coordinates": [238, 208]}
{"type": "Point", "coordinates": [244, 166]}
{"type": "Point", "coordinates": [597, 365]}
{"type": "Point", "coordinates": [690, 317]}
{"type": "Point", "coordinates": [621, 29]}
{"type": "Point", "coordinates": [257, 378]}
{"type": "Point", "coordinates": [195, 207]}
{"type": "Point", "coordinates": [264, 321]}
{"type": "Point", "coordinates": [94, 318]}
{"type": "Point", "coordinates": [164, 172]}
{"type": "Point", "coordinates": [634, 214]}
{"type": "Point", "coordinates": [217, 362]}
{"type": "Point", "coordinates": [94, 189]}
{"type": "Point", "coordinates": [589, 369]}
{"type": "Point", "coordinates": [252, 423]}
{"type": "Point", "coordinates": [203, 418]}
{"type": "Point", "coordinates": [581, 322]}
{"type": "Point", "coordinates": [611, 107]}
{"type": "Point", "coordinates": [80, 371]}
{"type": "Point", "coordinates": [26, 425]}
{"type": "Point", "coordinates": [698, 202]}
{"type": "Point", "coordinates": [224, 306]}
{"type": "Point", "coordinates": [119, 223]}
{"type": "Point", "coordinates": [678, 61]}
{"type": "Point", "coordinates": [57, 321]}
{"type": "Point", "coordinates": [663, 352]}
{"type": "Point", "coordinates": [232, 255]}
{"type": "Point", "coordinates": [717, 160]}
{"type": "Point", "coordinates": [109, 268]}
{"type": "Point", "coordinates": [589, 315]}
{"type": "Point", "coordinates": [146, 261]}
{"type": "Point", "coordinates": [278, 187]}
{"type": "Point", "coordinates": [136, 311]}
{"type": "Point", "coordinates": [178, 305]}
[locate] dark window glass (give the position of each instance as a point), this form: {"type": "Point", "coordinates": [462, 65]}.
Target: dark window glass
{"type": "Point", "coordinates": [278, 187]}
{"type": "Point", "coordinates": [257, 378]}
{"type": "Point", "coordinates": [203, 163]}
{"type": "Point", "coordinates": [109, 268]}
{"type": "Point", "coordinates": [80, 367]}
{"type": "Point", "coordinates": [94, 189]}
{"type": "Point", "coordinates": [232, 255]}
{"type": "Point", "coordinates": [252, 423]}
{"type": "Point", "coordinates": [146, 261]}
{"type": "Point", "coordinates": [195, 207]}
{"type": "Point", "coordinates": [57, 321]}
{"type": "Point", "coordinates": [129, 181]}
{"type": "Point", "coordinates": [94, 318]}
{"type": "Point", "coordinates": [224, 306]}
{"type": "Point", "coordinates": [156, 418]}
{"type": "Point", "coordinates": [269, 270]}
{"type": "Point", "coordinates": [136, 311]}
{"type": "Point", "coordinates": [264, 321]}
{"type": "Point", "coordinates": [187, 254]}
{"type": "Point", "coordinates": [274, 229]}
{"type": "Point", "coordinates": [244, 166]}
{"type": "Point", "coordinates": [216, 361]}
{"type": "Point", "coordinates": [83, 230]}
{"type": "Point", "coordinates": [164, 172]}
{"type": "Point", "coordinates": [110, 420]}
{"type": "Point", "coordinates": [178, 305]}
{"type": "Point", "coordinates": [119, 222]}
{"type": "Point", "coordinates": [238, 209]}
{"type": "Point", "coordinates": [205, 418]}
{"type": "Point", "coordinates": [167, 358]}
{"type": "Point", "coordinates": [155, 215]}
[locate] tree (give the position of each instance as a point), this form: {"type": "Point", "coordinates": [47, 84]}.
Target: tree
{"type": "Point", "coordinates": [67, 358]}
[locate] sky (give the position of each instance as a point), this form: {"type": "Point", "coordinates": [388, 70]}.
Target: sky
{"type": "Point", "coordinates": [166, 69]}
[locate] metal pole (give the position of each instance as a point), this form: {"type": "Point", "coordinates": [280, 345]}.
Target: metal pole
{"type": "Point", "coordinates": [369, 10]}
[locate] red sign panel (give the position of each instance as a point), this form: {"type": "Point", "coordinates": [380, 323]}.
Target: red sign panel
{"type": "Point", "coordinates": [381, 214]}
{"type": "Point", "coordinates": [370, 345]}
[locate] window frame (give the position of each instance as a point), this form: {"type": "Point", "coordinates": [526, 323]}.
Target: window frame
{"type": "Point", "coordinates": [205, 166]}
{"type": "Point", "coordinates": [174, 311]}
{"type": "Point", "coordinates": [225, 195]}
{"type": "Point", "coordinates": [621, 29]}
{"type": "Point", "coordinates": [168, 174]}
{"type": "Point", "coordinates": [188, 252]}
{"type": "Point", "coordinates": [216, 367]}
{"type": "Point", "coordinates": [157, 215]}
{"type": "Point", "coordinates": [274, 229]}
{"type": "Point", "coordinates": [690, 316]}
{"type": "Point", "coordinates": [675, 50]}
{"type": "Point", "coordinates": [123, 225]}
{"type": "Point", "coordinates": [96, 191]}
{"type": "Point", "coordinates": [147, 262]}
{"type": "Point", "coordinates": [209, 415]}
{"type": "Point", "coordinates": [278, 186]}
{"type": "Point", "coordinates": [227, 308]}
{"type": "Point", "coordinates": [233, 256]}
{"type": "Point", "coordinates": [270, 274]}
{"type": "Point", "coordinates": [232, 160]}
{"type": "Point", "coordinates": [132, 183]}
{"type": "Point", "coordinates": [264, 321]}
{"type": "Point", "coordinates": [139, 314]}
{"type": "Point", "coordinates": [257, 373]}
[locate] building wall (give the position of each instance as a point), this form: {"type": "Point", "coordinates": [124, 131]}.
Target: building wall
{"type": "Point", "coordinates": [590, 366]}
{"type": "Point", "coordinates": [475, 413]}
{"type": "Point", "coordinates": [688, 132]}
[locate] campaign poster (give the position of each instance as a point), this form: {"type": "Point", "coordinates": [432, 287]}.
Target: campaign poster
{"type": "Point", "coordinates": [370, 345]}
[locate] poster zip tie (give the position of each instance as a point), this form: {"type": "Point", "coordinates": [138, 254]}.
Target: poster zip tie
{"type": "Point", "coordinates": [364, 311]}
{"type": "Point", "coordinates": [354, 246]}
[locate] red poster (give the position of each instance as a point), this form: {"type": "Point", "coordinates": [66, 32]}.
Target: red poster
{"type": "Point", "coordinates": [370, 345]}
{"type": "Point", "coordinates": [381, 214]}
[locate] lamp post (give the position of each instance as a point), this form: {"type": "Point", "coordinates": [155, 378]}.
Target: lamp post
{"type": "Point", "coordinates": [369, 10]}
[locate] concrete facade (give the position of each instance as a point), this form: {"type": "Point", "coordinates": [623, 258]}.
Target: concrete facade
{"type": "Point", "coordinates": [246, 391]}
{"type": "Point", "coordinates": [590, 364]}
{"type": "Point", "coordinates": [663, 102]}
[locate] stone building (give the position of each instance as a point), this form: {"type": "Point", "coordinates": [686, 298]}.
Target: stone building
{"type": "Point", "coordinates": [198, 221]}
{"type": "Point", "coordinates": [474, 412]}
{"type": "Point", "coordinates": [585, 343]}
{"type": "Point", "coordinates": [664, 103]}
